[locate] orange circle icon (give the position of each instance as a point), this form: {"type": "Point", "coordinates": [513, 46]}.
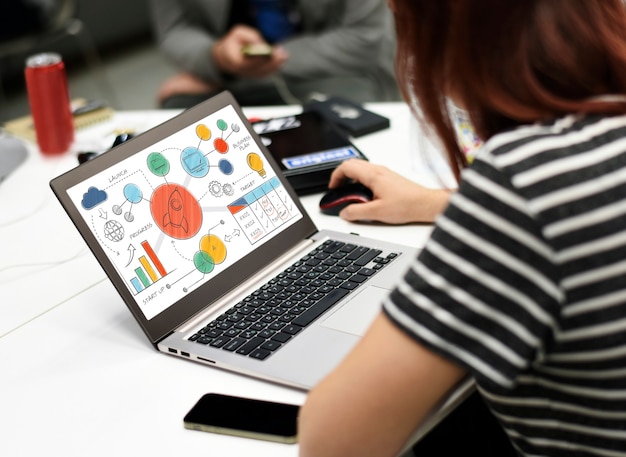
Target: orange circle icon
{"type": "Point", "coordinates": [176, 211]}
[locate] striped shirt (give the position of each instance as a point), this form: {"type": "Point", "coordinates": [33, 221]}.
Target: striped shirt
{"type": "Point", "coordinates": [523, 282]}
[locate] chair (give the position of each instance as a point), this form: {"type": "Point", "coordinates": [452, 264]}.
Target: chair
{"type": "Point", "coordinates": [27, 25]}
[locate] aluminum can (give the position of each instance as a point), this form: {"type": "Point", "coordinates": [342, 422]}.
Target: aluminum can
{"type": "Point", "coordinates": [48, 97]}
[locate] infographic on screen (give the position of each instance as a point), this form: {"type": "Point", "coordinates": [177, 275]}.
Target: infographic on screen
{"type": "Point", "coordinates": [175, 215]}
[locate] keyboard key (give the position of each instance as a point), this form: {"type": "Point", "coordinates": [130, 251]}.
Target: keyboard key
{"type": "Point", "coordinates": [247, 334]}
{"type": "Point", "coordinates": [219, 341]}
{"type": "Point", "coordinates": [282, 337]}
{"type": "Point", "coordinates": [234, 344]}
{"type": "Point", "coordinates": [320, 307]}
{"type": "Point", "coordinates": [349, 285]}
{"type": "Point", "coordinates": [356, 253]}
{"type": "Point", "coordinates": [276, 326]}
{"type": "Point", "coordinates": [358, 278]}
{"type": "Point", "coordinates": [250, 345]}
{"type": "Point", "coordinates": [267, 333]}
{"type": "Point", "coordinates": [349, 247]}
{"type": "Point", "coordinates": [287, 317]}
{"type": "Point", "coordinates": [271, 345]}
{"type": "Point", "coordinates": [292, 329]}
{"type": "Point", "coordinates": [260, 354]}
{"type": "Point", "coordinates": [213, 333]}
{"type": "Point", "coordinates": [334, 246]}
{"type": "Point", "coordinates": [367, 257]}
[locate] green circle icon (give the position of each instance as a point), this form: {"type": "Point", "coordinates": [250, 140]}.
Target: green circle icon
{"type": "Point", "coordinates": [222, 125]}
{"type": "Point", "coordinates": [158, 164]}
{"type": "Point", "coordinates": [203, 262]}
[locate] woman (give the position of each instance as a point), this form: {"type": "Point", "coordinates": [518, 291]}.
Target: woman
{"type": "Point", "coordinates": [522, 284]}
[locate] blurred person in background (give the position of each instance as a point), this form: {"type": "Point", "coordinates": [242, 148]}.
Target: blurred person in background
{"type": "Point", "coordinates": [318, 48]}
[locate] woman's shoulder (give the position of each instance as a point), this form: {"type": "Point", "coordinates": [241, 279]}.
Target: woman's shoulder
{"type": "Point", "coordinates": [559, 138]}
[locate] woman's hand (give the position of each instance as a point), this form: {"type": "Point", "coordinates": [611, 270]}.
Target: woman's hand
{"type": "Point", "coordinates": [397, 200]}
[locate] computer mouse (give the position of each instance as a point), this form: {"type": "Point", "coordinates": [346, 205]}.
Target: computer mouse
{"type": "Point", "coordinates": [338, 198]}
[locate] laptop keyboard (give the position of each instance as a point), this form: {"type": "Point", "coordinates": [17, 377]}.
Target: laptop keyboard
{"type": "Point", "coordinates": [272, 315]}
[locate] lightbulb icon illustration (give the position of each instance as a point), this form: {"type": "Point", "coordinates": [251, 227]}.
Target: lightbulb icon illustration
{"type": "Point", "coordinates": [256, 163]}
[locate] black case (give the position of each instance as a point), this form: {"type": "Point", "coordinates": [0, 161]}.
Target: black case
{"type": "Point", "coordinates": [350, 117]}
{"type": "Point", "coordinates": [307, 147]}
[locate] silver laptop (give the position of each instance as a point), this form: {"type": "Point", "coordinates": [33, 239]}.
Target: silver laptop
{"type": "Point", "coordinates": [211, 250]}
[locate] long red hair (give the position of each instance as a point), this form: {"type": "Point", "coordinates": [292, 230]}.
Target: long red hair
{"type": "Point", "coordinates": [509, 62]}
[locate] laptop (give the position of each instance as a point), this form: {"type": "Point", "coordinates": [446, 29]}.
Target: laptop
{"type": "Point", "coordinates": [211, 250]}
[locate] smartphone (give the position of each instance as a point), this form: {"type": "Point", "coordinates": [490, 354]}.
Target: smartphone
{"type": "Point", "coordinates": [245, 417]}
{"type": "Point", "coordinates": [257, 50]}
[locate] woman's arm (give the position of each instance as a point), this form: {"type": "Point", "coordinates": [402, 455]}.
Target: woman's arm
{"type": "Point", "coordinates": [376, 398]}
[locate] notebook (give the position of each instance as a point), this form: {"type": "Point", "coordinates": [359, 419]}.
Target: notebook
{"type": "Point", "coordinates": [204, 238]}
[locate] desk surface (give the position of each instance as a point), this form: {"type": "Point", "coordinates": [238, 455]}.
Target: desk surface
{"type": "Point", "coordinates": [79, 376]}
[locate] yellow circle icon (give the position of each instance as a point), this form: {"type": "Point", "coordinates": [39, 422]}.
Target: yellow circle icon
{"type": "Point", "coordinates": [213, 246]}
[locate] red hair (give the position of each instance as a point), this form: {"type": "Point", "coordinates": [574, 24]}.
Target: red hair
{"type": "Point", "coordinates": [509, 62]}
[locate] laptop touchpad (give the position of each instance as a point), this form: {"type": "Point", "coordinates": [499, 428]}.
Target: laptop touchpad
{"type": "Point", "coordinates": [356, 315]}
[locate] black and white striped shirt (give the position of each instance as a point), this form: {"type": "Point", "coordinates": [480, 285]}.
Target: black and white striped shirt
{"type": "Point", "coordinates": [524, 283]}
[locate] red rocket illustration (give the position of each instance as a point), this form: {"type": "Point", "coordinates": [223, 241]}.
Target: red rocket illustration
{"type": "Point", "coordinates": [175, 214]}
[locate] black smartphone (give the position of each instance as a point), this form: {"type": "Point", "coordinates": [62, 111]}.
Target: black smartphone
{"type": "Point", "coordinates": [246, 417]}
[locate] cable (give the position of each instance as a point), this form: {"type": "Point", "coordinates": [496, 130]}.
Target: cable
{"type": "Point", "coordinates": [283, 90]}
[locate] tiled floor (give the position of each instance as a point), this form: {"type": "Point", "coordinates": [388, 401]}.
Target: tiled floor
{"type": "Point", "coordinates": [127, 80]}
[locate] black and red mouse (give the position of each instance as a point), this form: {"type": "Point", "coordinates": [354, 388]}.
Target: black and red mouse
{"type": "Point", "coordinates": [346, 194]}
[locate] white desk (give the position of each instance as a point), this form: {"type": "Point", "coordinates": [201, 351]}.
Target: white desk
{"type": "Point", "coordinates": [78, 375]}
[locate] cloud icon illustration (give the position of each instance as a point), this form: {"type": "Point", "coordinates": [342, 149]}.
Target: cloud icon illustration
{"type": "Point", "coordinates": [93, 197]}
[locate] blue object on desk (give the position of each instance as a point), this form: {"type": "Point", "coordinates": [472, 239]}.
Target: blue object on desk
{"type": "Point", "coordinates": [12, 154]}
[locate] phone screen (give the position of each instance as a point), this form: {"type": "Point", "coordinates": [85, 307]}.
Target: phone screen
{"type": "Point", "coordinates": [244, 417]}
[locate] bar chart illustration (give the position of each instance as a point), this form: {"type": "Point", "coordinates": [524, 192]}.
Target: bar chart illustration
{"type": "Point", "coordinates": [150, 269]}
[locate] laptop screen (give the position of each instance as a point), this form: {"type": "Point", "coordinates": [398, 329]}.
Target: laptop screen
{"type": "Point", "coordinates": [177, 211]}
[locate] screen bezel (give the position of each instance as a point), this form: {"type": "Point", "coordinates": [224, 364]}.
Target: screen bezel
{"type": "Point", "coordinates": [164, 323]}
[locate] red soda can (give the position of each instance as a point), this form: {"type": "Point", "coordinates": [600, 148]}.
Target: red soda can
{"type": "Point", "coordinates": [48, 96]}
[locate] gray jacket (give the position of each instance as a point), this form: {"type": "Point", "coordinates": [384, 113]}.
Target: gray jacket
{"type": "Point", "coordinates": [338, 38]}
